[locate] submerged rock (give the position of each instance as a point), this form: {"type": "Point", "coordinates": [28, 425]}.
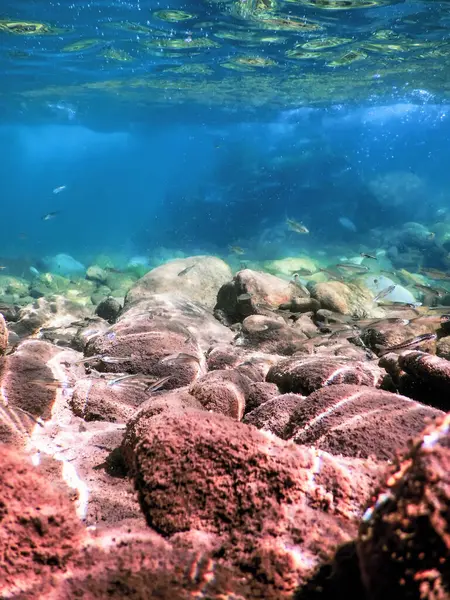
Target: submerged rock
{"type": "Point", "coordinates": [197, 278]}
{"type": "Point", "coordinates": [261, 497]}
{"type": "Point", "coordinates": [108, 309]}
{"type": "Point", "coordinates": [65, 265]}
{"type": "Point", "coordinates": [306, 375]}
{"type": "Point", "coordinates": [39, 530]}
{"type": "Point", "coordinates": [403, 544]}
{"type": "Point", "coordinates": [254, 292]}
{"type": "Point", "coordinates": [357, 421]}
{"type": "Point", "coordinates": [345, 298]}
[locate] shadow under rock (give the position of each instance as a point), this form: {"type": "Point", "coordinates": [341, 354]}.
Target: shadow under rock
{"type": "Point", "coordinates": [336, 580]}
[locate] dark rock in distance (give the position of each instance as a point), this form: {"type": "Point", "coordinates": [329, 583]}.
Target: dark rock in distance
{"type": "Point", "coordinates": [108, 309]}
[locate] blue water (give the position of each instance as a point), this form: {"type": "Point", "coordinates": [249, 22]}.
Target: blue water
{"type": "Point", "coordinates": [171, 139]}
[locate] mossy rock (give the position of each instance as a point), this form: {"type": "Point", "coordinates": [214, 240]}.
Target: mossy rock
{"type": "Point", "coordinates": [100, 294]}
{"type": "Point", "coordinates": [120, 281]}
{"type": "Point", "coordinates": [104, 261]}
{"type": "Point", "coordinates": [287, 266]}
{"type": "Point", "coordinates": [13, 285]}
{"type": "Point", "coordinates": [138, 270]}
{"type": "Point", "coordinates": [48, 284]}
{"type": "Point", "coordinates": [97, 273]}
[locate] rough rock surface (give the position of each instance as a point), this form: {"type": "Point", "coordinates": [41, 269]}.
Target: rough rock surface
{"type": "Point", "coordinates": [270, 334]}
{"type": "Point", "coordinates": [198, 278]}
{"type": "Point", "coordinates": [253, 292]}
{"type": "Point", "coordinates": [55, 311]}
{"type": "Point", "coordinates": [345, 298]}
{"type": "Point", "coordinates": [404, 545]}
{"type": "Point", "coordinates": [306, 375]}
{"type": "Point", "coordinates": [274, 414]}
{"type": "Point", "coordinates": [260, 392]}
{"type": "Point", "coordinates": [430, 374]}
{"type": "Point", "coordinates": [200, 471]}
{"type": "Point", "coordinates": [357, 421]}
{"type": "Point", "coordinates": [95, 400]}
{"type": "Point", "coordinates": [223, 392]}
{"type": "Point", "coordinates": [108, 309]}
{"type": "Point", "coordinates": [39, 530]}
{"type": "Point", "coordinates": [142, 346]}
{"type": "Point", "coordinates": [389, 334]}
{"type": "Point", "coordinates": [30, 380]}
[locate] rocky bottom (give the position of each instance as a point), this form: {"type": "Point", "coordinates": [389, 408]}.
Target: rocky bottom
{"type": "Point", "coordinates": [214, 440]}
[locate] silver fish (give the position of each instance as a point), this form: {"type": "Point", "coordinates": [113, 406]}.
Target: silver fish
{"type": "Point", "coordinates": [384, 293]}
{"type": "Point", "coordinates": [411, 343]}
{"type": "Point", "coordinates": [180, 357]}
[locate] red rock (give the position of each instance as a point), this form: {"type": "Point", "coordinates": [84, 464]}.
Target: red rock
{"type": "Point", "coordinates": [223, 392]}
{"type": "Point", "coordinates": [143, 343]}
{"type": "Point", "coordinates": [280, 510]}
{"type": "Point", "coordinates": [275, 414]}
{"type": "Point", "coordinates": [95, 400]}
{"type": "Point", "coordinates": [126, 562]}
{"type": "Point", "coordinates": [174, 401]}
{"type": "Point", "coordinates": [269, 334]}
{"type": "Point", "coordinates": [306, 375]}
{"type": "Point", "coordinates": [259, 393]}
{"type": "Point", "coordinates": [357, 421]}
{"type": "Point", "coordinates": [39, 530]}
{"type": "Point", "coordinates": [404, 541]}
{"type": "Point", "coordinates": [391, 334]}
{"type": "Point", "coordinates": [345, 298]}
{"type": "Point", "coordinates": [432, 370]}
{"type": "Point", "coordinates": [31, 378]}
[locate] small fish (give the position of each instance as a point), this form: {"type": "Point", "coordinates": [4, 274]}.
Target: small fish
{"type": "Point", "coordinates": [364, 255]}
{"type": "Point", "coordinates": [430, 290]}
{"type": "Point", "coordinates": [50, 215]}
{"type": "Point", "coordinates": [180, 357]}
{"type": "Point", "coordinates": [331, 274]}
{"type": "Point", "coordinates": [49, 384]}
{"type": "Point", "coordinates": [34, 271]}
{"type": "Point", "coordinates": [302, 272]}
{"type": "Point", "coordinates": [384, 293]}
{"type": "Point", "coordinates": [2, 268]}
{"type": "Point", "coordinates": [102, 358]}
{"type": "Point", "coordinates": [59, 189]}
{"type": "Point", "coordinates": [431, 235]}
{"type": "Point", "coordinates": [244, 297]}
{"type": "Point", "coordinates": [353, 267]}
{"type": "Point", "coordinates": [236, 250]}
{"type": "Point", "coordinates": [368, 323]}
{"type": "Point", "coordinates": [186, 270]}
{"type": "Point", "coordinates": [347, 224]}
{"type": "Point", "coordinates": [411, 343]}
{"type": "Point", "coordinates": [294, 225]}
{"type": "Point", "coordinates": [112, 270]}
{"type": "Point", "coordinates": [435, 274]}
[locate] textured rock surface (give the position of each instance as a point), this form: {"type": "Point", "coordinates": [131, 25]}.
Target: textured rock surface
{"type": "Point", "coordinates": [252, 292]}
{"type": "Point", "coordinates": [200, 471]}
{"type": "Point", "coordinates": [108, 309]}
{"type": "Point", "coordinates": [357, 421]}
{"type": "Point", "coordinates": [306, 375]}
{"type": "Point", "coordinates": [39, 530]}
{"type": "Point", "coordinates": [345, 298]}
{"type": "Point", "coordinates": [197, 278]}
{"type": "Point", "coordinates": [223, 392]}
{"type": "Point", "coordinates": [404, 544]}
{"type": "Point", "coordinates": [270, 334]}
{"type": "Point", "coordinates": [274, 414]}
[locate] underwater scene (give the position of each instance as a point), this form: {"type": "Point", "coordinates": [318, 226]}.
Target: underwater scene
{"type": "Point", "coordinates": [225, 299]}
